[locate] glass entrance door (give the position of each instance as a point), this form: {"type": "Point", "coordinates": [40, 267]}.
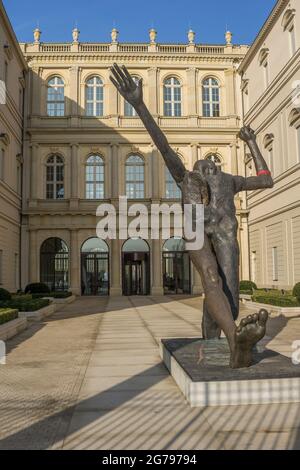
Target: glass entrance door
{"type": "Point", "coordinates": [135, 274]}
{"type": "Point", "coordinates": [176, 273]}
{"type": "Point", "coordinates": [94, 274]}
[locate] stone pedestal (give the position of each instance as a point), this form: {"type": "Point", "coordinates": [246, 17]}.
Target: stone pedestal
{"type": "Point", "coordinates": [201, 370]}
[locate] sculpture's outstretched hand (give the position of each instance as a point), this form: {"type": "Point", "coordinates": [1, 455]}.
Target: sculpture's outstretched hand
{"type": "Point", "coordinates": [247, 134]}
{"type": "Point", "coordinates": [123, 81]}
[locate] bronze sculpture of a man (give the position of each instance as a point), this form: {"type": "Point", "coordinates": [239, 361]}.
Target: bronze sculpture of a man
{"type": "Point", "coordinates": [218, 260]}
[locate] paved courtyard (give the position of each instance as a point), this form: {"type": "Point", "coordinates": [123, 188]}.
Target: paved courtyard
{"type": "Point", "coordinates": [90, 377]}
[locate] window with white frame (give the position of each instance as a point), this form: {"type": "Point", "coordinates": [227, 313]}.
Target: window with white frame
{"type": "Point", "coordinates": [128, 108]}
{"type": "Point", "coordinates": [56, 97]}
{"type": "Point", "coordinates": [172, 190]}
{"type": "Point", "coordinates": [94, 97]}
{"type": "Point", "coordinates": [275, 263]}
{"type": "Point", "coordinates": [94, 177]}
{"type": "Point", "coordinates": [211, 97]}
{"type": "Point", "coordinates": [172, 97]}
{"type": "Point", "coordinates": [135, 177]}
{"type": "Point", "coordinates": [55, 177]}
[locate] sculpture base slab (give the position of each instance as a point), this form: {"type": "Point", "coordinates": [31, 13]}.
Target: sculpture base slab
{"type": "Point", "coordinates": [200, 369]}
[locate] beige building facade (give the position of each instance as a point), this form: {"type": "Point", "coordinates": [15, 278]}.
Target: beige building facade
{"type": "Point", "coordinates": [270, 84]}
{"type": "Point", "coordinates": [84, 146]}
{"type": "Point", "coordinates": [12, 83]}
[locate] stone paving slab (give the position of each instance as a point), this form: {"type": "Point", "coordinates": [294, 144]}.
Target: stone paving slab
{"type": "Point", "coordinates": [90, 377]}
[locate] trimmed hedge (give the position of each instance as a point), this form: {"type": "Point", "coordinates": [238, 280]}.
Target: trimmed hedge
{"type": "Point", "coordinates": [296, 291]}
{"type": "Point", "coordinates": [37, 288]}
{"type": "Point", "coordinates": [25, 305]}
{"type": "Point", "coordinates": [55, 295]}
{"type": "Point", "coordinates": [4, 294]}
{"type": "Point", "coordinates": [246, 292]}
{"type": "Point", "coordinates": [247, 285]}
{"type": "Point", "coordinates": [278, 301]}
{"type": "Point", "coordinates": [7, 314]}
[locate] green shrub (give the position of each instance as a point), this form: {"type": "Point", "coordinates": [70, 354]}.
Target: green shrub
{"type": "Point", "coordinates": [246, 292]}
{"type": "Point", "coordinates": [37, 288]}
{"type": "Point", "coordinates": [25, 305]}
{"type": "Point", "coordinates": [247, 285]}
{"type": "Point", "coordinates": [7, 314]}
{"type": "Point", "coordinates": [21, 297]}
{"type": "Point", "coordinates": [4, 294]}
{"type": "Point", "coordinates": [296, 291]}
{"type": "Point", "coordinates": [278, 301]}
{"type": "Point", "coordinates": [55, 295]}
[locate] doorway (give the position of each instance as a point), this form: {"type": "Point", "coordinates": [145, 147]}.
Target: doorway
{"type": "Point", "coordinates": [94, 267]}
{"type": "Point", "coordinates": [136, 267]}
{"type": "Point", "coordinates": [176, 267]}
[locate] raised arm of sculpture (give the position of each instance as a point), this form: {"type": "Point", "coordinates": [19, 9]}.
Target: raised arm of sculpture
{"type": "Point", "coordinates": [133, 93]}
{"type": "Point", "coordinates": [264, 178]}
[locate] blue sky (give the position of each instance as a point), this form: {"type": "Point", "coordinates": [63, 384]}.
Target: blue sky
{"type": "Point", "coordinates": [171, 18]}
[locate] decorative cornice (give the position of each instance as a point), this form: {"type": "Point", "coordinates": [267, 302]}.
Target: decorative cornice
{"type": "Point", "coordinates": [266, 28]}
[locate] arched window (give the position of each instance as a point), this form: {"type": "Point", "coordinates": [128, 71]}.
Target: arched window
{"type": "Point", "coordinates": [263, 59]}
{"type": "Point", "coordinates": [56, 97]}
{"type": "Point", "coordinates": [269, 146]}
{"type": "Point", "coordinates": [55, 177]}
{"type": "Point", "coordinates": [94, 97]}
{"type": "Point", "coordinates": [94, 267]}
{"type": "Point", "coordinates": [172, 190]}
{"type": "Point", "coordinates": [288, 25]}
{"type": "Point", "coordinates": [54, 264]}
{"type": "Point", "coordinates": [128, 109]}
{"type": "Point", "coordinates": [172, 97]}
{"type": "Point", "coordinates": [176, 267]}
{"type": "Point", "coordinates": [135, 177]}
{"type": "Point", "coordinates": [294, 120]}
{"type": "Point", "coordinates": [135, 245]}
{"type": "Point", "coordinates": [211, 97]}
{"type": "Point", "coordinates": [214, 158]}
{"type": "Point", "coordinates": [94, 178]}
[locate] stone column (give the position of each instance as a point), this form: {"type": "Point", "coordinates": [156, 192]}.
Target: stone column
{"type": "Point", "coordinates": [115, 268]}
{"type": "Point", "coordinates": [195, 156]}
{"type": "Point", "coordinates": [115, 171]}
{"type": "Point", "coordinates": [34, 174]}
{"type": "Point", "coordinates": [33, 253]}
{"type": "Point", "coordinates": [112, 101]}
{"type": "Point", "coordinates": [36, 88]}
{"type": "Point", "coordinates": [155, 174]}
{"type": "Point", "coordinates": [230, 92]}
{"type": "Point", "coordinates": [74, 199]}
{"type": "Point", "coordinates": [156, 274]}
{"type": "Point", "coordinates": [191, 92]}
{"type": "Point", "coordinates": [152, 91]}
{"type": "Point", "coordinates": [74, 270]}
{"type": "Point", "coordinates": [72, 107]}
{"type": "Point", "coordinates": [234, 158]}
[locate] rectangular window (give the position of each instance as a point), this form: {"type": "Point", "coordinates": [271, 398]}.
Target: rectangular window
{"type": "Point", "coordinates": [2, 164]}
{"type": "Point", "coordinates": [293, 45]}
{"type": "Point", "coordinates": [21, 100]}
{"type": "Point", "coordinates": [266, 74]}
{"type": "Point", "coordinates": [253, 266]}
{"type": "Point", "coordinates": [275, 263]}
